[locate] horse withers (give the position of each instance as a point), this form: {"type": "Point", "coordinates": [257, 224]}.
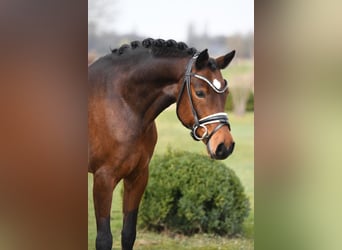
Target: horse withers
{"type": "Point", "coordinates": [128, 89]}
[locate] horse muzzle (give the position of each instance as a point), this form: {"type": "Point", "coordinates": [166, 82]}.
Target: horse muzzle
{"type": "Point", "coordinates": [221, 152]}
{"type": "Point", "coordinates": [221, 119]}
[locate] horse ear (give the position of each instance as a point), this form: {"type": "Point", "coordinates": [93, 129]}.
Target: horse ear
{"type": "Point", "coordinates": [202, 59]}
{"type": "Point", "coordinates": [223, 61]}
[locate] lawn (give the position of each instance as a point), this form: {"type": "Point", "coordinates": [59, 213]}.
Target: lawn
{"type": "Point", "coordinates": [172, 133]}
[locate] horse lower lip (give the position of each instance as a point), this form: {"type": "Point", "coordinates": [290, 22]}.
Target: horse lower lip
{"type": "Point", "coordinates": [215, 156]}
{"type": "Point", "coordinates": [222, 157]}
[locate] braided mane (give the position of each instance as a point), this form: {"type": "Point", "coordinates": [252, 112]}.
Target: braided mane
{"type": "Point", "coordinates": [158, 48]}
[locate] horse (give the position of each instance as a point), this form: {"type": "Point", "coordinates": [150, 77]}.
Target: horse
{"type": "Point", "coordinates": [128, 89]}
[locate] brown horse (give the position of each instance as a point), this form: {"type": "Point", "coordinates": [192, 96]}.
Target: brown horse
{"type": "Point", "coordinates": [128, 89]}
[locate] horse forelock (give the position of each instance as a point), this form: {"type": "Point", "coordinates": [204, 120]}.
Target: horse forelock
{"type": "Point", "coordinates": [157, 47]}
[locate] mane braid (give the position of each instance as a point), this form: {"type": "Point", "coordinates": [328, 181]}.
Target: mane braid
{"type": "Point", "coordinates": [158, 48]}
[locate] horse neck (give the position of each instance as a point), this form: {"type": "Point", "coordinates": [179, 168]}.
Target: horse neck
{"type": "Point", "coordinates": [157, 84]}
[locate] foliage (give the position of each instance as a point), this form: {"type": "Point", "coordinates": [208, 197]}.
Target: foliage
{"type": "Point", "coordinates": [250, 102]}
{"type": "Point", "coordinates": [240, 96]}
{"type": "Point", "coordinates": [249, 106]}
{"type": "Point", "coordinates": [240, 78]}
{"type": "Point", "coordinates": [229, 103]}
{"type": "Point", "coordinates": [189, 193]}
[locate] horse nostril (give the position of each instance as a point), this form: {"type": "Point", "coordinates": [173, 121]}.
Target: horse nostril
{"type": "Point", "coordinates": [222, 152]}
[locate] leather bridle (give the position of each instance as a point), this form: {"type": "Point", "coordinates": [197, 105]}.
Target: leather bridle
{"type": "Point", "coordinates": [221, 118]}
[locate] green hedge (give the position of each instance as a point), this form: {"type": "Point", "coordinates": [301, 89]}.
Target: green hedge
{"type": "Point", "coordinates": [229, 103]}
{"type": "Point", "coordinates": [189, 193]}
{"type": "Point", "coordinates": [250, 102]}
{"type": "Point", "coordinates": [249, 106]}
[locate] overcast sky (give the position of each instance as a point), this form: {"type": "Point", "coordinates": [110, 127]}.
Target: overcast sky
{"type": "Point", "coordinates": [171, 19]}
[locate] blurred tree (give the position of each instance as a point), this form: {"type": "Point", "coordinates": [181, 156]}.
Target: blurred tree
{"type": "Point", "coordinates": [243, 44]}
{"type": "Point", "coordinates": [100, 13]}
{"type": "Point", "coordinates": [218, 45]}
{"type": "Point", "coordinates": [191, 36]}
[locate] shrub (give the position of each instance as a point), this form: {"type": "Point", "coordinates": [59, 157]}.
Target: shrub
{"type": "Point", "coordinates": [229, 103]}
{"type": "Point", "coordinates": [250, 102]}
{"type": "Point", "coordinates": [240, 95]}
{"type": "Point", "coordinates": [249, 105]}
{"type": "Point", "coordinates": [189, 193]}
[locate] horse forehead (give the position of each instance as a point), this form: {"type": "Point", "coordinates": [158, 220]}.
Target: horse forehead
{"type": "Point", "coordinates": [212, 64]}
{"type": "Point", "coordinates": [215, 78]}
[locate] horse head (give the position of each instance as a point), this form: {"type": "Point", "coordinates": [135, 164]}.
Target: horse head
{"type": "Point", "coordinates": [201, 101]}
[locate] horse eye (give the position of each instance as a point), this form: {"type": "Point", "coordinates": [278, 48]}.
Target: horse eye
{"type": "Point", "coordinates": [200, 94]}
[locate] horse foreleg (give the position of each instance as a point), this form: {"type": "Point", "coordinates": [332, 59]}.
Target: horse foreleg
{"type": "Point", "coordinates": [103, 192]}
{"type": "Point", "coordinates": [133, 191]}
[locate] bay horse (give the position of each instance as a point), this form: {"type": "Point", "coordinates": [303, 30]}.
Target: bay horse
{"type": "Point", "coordinates": [128, 89]}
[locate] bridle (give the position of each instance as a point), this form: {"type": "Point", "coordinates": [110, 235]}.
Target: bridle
{"type": "Point", "coordinates": [221, 118]}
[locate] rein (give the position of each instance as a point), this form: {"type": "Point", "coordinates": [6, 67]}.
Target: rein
{"type": "Point", "coordinates": [221, 117]}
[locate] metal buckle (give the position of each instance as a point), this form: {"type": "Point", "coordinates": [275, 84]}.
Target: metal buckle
{"type": "Point", "coordinates": [194, 132]}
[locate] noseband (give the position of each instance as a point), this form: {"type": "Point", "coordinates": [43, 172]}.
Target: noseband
{"type": "Point", "coordinates": [220, 118]}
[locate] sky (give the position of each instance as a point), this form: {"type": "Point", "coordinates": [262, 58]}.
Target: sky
{"type": "Point", "coordinates": [171, 19]}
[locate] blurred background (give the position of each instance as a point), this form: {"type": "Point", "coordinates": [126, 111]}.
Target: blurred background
{"type": "Point", "coordinates": [219, 26]}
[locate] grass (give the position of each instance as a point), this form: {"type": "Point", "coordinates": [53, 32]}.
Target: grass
{"type": "Point", "coordinates": [239, 67]}
{"type": "Point", "coordinates": [171, 132]}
